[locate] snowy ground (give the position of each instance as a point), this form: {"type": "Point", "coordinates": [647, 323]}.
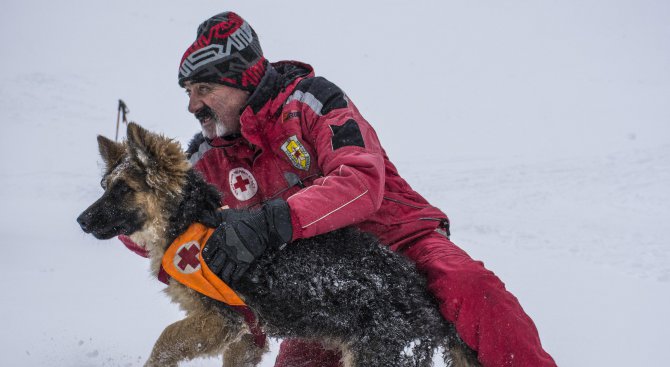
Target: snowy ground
{"type": "Point", "coordinates": [542, 129]}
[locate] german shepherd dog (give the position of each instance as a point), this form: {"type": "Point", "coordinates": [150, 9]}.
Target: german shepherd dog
{"type": "Point", "coordinates": [343, 288]}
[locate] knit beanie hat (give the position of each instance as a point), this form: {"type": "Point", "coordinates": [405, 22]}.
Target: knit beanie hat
{"type": "Point", "coordinates": [226, 51]}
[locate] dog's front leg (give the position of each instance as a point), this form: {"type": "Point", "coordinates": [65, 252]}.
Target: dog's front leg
{"type": "Point", "coordinates": [244, 352]}
{"type": "Point", "coordinates": [198, 335]}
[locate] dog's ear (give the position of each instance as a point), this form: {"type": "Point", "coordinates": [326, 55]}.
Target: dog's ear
{"type": "Point", "coordinates": [110, 151]}
{"type": "Point", "coordinates": [139, 142]}
{"type": "Point", "coordinates": [161, 158]}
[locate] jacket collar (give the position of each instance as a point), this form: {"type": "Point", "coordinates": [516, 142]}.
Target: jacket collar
{"type": "Point", "coordinates": [267, 100]}
{"type": "Point", "coordinates": [278, 76]}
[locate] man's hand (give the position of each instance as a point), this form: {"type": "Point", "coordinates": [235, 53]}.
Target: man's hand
{"type": "Point", "coordinates": [242, 236]}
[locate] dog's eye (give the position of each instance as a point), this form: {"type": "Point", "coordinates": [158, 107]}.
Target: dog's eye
{"type": "Point", "coordinates": [121, 188]}
{"type": "Point", "coordinates": [103, 184]}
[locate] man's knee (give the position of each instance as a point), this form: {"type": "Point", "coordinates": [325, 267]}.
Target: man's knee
{"type": "Point", "coordinates": [299, 353]}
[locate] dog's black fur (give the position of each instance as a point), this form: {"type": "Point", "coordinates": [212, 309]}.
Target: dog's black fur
{"type": "Point", "coordinates": [343, 288]}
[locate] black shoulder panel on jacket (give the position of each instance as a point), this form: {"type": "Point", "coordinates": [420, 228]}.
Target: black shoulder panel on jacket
{"type": "Point", "coordinates": [329, 94]}
{"type": "Point", "coordinates": [349, 134]}
{"type": "Point", "coordinates": [194, 144]}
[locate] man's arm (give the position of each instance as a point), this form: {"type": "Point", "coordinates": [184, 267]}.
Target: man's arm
{"type": "Point", "coordinates": [349, 156]}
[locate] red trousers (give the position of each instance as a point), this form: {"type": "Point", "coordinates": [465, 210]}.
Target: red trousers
{"type": "Point", "coordinates": [487, 317]}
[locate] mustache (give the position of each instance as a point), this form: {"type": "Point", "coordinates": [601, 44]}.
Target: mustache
{"type": "Point", "coordinates": [204, 113]}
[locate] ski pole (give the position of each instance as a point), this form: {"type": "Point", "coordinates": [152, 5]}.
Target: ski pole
{"type": "Point", "coordinates": [122, 110]}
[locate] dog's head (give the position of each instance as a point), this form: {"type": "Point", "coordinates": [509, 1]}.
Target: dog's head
{"type": "Point", "coordinates": [143, 176]}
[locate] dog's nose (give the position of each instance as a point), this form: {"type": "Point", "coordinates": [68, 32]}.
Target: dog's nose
{"type": "Point", "coordinates": [84, 220]}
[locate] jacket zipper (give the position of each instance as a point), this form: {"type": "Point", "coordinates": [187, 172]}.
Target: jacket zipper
{"type": "Point", "coordinates": [406, 204]}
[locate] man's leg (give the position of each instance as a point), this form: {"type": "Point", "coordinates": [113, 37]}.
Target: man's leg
{"type": "Point", "coordinates": [488, 318]}
{"type": "Point", "coordinates": [299, 353]}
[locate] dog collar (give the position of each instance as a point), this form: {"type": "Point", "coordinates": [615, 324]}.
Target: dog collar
{"type": "Point", "coordinates": [132, 246]}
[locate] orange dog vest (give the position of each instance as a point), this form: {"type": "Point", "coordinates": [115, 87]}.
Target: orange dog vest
{"type": "Point", "coordinates": [183, 262]}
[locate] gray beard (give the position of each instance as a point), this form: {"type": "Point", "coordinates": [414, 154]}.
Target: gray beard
{"type": "Point", "coordinates": [219, 130]}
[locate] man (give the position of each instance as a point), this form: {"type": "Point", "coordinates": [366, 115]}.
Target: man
{"type": "Point", "coordinates": [294, 151]}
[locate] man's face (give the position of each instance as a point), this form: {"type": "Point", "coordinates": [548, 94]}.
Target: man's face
{"type": "Point", "coordinates": [216, 106]}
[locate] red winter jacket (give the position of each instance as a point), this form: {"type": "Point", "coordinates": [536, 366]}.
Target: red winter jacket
{"type": "Point", "coordinates": [303, 140]}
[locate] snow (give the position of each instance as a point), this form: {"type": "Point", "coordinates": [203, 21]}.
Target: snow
{"type": "Point", "coordinates": [542, 129]}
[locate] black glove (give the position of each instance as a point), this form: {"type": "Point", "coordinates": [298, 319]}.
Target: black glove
{"type": "Point", "coordinates": [242, 236]}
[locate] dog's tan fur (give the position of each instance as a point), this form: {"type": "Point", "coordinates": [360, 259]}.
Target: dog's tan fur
{"type": "Point", "coordinates": [204, 331]}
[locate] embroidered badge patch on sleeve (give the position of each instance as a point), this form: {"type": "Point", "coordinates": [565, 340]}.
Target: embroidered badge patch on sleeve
{"type": "Point", "coordinates": [296, 153]}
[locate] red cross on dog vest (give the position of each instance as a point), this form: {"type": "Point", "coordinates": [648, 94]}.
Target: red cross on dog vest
{"type": "Point", "coordinates": [183, 262]}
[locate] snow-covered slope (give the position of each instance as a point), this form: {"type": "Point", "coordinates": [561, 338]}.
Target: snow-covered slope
{"type": "Point", "coordinates": [542, 129]}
